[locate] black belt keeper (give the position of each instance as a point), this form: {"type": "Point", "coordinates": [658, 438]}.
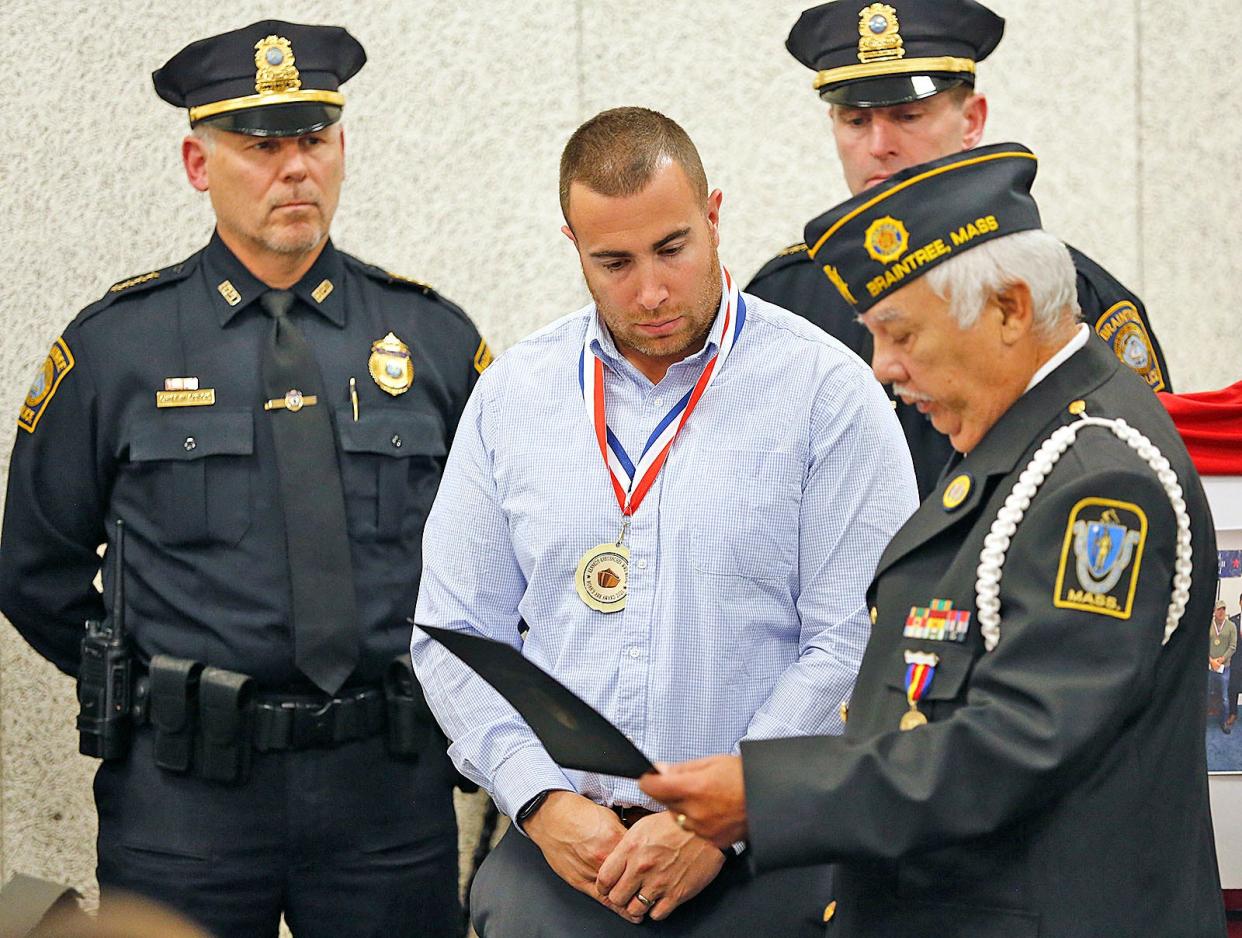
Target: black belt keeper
{"type": "Point", "coordinates": [411, 725]}
{"type": "Point", "coordinates": [224, 711]}
{"type": "Point", "coordinates": [173, 703]}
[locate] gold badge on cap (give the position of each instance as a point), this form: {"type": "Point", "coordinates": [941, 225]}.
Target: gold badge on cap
{"type": "Point", "coordinates": [957, 492]}
{"type": "Point", "coordinates": [879, 37]}
{"type": "Point", "coordinates": [887, 239]}
{"type": "Point", "coordinates": [390, 365]}
{"type": "Point", "coordinates": [275, 72]}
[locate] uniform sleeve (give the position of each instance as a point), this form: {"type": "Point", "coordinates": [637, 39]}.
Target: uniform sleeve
{"type": "Point", "coordinates": [54, 518]}
{"type": "Point", "coordinates": [1039, 712]}
{"type": "Point", "coordinates": [472, 582]}
{"type": "Point", "coordinates": [859, 491]}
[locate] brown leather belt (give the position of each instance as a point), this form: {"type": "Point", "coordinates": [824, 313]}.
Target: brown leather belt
{"type": "Point", "coordinates": [630, 814]}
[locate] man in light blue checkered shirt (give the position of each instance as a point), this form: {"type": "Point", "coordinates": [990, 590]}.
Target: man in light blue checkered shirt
{"type": "Point", "coordinates": [748, 558]}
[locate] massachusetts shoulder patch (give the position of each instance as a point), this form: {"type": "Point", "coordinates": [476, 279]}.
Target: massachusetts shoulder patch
{"type": "Point", "coordinates": [1100, 557]}
{"type": "Point", "coordinates": [1123, 329]}
{"type": "Point", "coordinates": [59, 362]}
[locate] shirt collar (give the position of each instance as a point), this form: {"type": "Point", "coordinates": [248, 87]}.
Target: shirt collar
{"type": "Point", "coordinates": [1056, 361]}
{"type": "Point", "coordinates": [601, 343]}
{"type": "Point", "coordinates": [233, 287]}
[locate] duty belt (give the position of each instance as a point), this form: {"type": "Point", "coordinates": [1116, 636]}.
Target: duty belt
{"type": "Point", "coordinates": [306, 723]}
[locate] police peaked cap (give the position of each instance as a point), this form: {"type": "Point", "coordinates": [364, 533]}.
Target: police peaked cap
{"type": "Point", "coordinates": [873, 55]}
{"type": "Point", "coordinates": [895, 232]}
{"type": "Point", "coordinates": [268, 79]}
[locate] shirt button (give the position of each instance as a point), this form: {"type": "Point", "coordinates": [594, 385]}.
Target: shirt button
{"type": "Point", "coordinates": [396, 440]}
{"type": "Point", "coordinates": [642, 564]}
{"type": "Point", "coordinates": [189, 443]}
{"type": "Point", "coordinates": [659, 401]}
{"type": "Point", "coordinates": [635, 652]}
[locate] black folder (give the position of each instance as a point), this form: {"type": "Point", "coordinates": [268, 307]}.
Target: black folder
{"type": "Point", "coordinates": [574, 733]}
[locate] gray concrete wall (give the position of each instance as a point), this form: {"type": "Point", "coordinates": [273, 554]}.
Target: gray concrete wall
{"type": "Point", "coordinates": [454, 132]}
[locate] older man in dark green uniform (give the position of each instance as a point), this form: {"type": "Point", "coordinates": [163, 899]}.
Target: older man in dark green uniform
{"type": "Point", "coordinates": [1024, 753]}
{"type": "Point", "coordinates": [269, 418]}
{"type": "Point", "coordinates": [899, 81]}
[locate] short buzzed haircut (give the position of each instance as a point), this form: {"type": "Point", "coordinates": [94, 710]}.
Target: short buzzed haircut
{"type": "Point", "coordinates": [617, 152]}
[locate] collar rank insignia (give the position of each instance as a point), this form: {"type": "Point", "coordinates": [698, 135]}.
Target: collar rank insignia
{"type": "Point", "coordinates": [1107, 538]}
{"type": "Point", "coordinates": [390, 365]}
{"type": "Point", "coordinates": [939, 622]}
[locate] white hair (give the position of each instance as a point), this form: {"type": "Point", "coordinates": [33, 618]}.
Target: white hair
{"type": "Point", "coordinates": [1035, 258]}
{"type": "Point", "coordinates": [205, 134]}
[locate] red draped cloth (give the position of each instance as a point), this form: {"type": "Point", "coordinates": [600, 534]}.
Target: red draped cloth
{"type": "Point", "coordinates": [1210, 422]}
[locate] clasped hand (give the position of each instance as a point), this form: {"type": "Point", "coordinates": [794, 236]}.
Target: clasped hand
{"type": "Point", "coordinates": [588, 847]}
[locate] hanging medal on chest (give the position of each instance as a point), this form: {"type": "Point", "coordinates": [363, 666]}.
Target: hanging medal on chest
{"type": "Point", "coordinates": [920, 669]}
{"type": "Point", "coordinates": [602, 576]}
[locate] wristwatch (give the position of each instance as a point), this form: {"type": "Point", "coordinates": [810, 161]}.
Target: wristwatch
{"type": "Point", "coordinates": [531, 807]}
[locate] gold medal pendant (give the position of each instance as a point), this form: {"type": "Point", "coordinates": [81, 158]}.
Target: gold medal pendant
{"type": "Point", "coordinates": [911, 719]}
{"type": "Point", "coordinates": [602, 575]}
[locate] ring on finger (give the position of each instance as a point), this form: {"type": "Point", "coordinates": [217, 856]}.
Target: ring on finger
{"type": "Point", "coordinates": [644, 900]}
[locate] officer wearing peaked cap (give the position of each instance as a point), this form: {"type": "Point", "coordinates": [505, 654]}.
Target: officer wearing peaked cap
{"type": "Point", "coordinates": [899, 79]}
{"type": "Point", "coordinates": [1033, 684]}
{"type": "Point", "coordinates": [269, 419]}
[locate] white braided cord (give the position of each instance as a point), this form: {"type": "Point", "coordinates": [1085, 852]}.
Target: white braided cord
{"type": "Point", "coordinates": [996, 544]}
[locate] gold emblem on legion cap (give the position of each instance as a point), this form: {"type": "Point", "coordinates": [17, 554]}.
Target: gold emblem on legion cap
{"type": "Point", "coordinates": [887, 239]}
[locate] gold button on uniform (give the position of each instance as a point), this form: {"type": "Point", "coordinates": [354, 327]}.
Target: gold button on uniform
{"type": "Point", "coordinates": [1078, 408]}
{"type": "Point", "coordinates": [829, 911]}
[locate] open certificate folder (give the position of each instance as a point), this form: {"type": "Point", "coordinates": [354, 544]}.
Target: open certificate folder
{"type": "Point", "coordinates": [574, 733]}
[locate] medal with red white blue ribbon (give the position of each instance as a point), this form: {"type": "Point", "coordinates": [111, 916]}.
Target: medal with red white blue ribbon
{"type": "Point", "coordinates": [603, 570]}
{"type": "Point", "coordinates": [920, 669]}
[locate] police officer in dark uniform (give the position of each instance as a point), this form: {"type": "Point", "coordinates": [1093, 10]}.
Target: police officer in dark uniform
{"type": "Point", "coordinates": [1024, 752]}
{"type": "Point", "coordinates": [269, 419]}
{"type": "Point", "coordinates": [899, 79]}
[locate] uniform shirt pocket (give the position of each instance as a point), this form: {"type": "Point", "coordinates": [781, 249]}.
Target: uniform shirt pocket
{"type": "Point", "coordinates": [746, 513]}
{"type": "Point", "coordinates": [391, 465]}
{"type": "Point", "coordinates": [195, 468]}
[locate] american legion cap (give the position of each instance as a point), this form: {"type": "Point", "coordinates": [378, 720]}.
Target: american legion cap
{"type": "Point", "coordinates": [882, 54]}
{"type": "Point", "coordinates": [268, 79]}
{"type": "Point", "coordinates": [895, 232]}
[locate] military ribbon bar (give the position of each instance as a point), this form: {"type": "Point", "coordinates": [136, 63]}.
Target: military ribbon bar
{"type": "Point", "coordinates": [630, 481]}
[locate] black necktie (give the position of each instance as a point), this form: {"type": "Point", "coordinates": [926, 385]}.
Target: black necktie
{"type": "Point", "coordinates": [325, 625]}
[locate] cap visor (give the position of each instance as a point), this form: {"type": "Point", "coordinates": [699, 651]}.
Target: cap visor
{"type": "Point", "coordinates": [889, 90]}
{"type": "Point", "coordinates": [277, 120]}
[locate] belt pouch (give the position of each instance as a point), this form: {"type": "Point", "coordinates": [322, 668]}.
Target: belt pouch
{"type": "Point", "coordinates": [224, 713]}
{"type": "Point", "coordinates": [410, 721]}
{"type": "Point", "coordinates": [173, 689]}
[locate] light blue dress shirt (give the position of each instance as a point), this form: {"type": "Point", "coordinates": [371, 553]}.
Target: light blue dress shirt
{"type": "Point", "coordinates": [749, 558]}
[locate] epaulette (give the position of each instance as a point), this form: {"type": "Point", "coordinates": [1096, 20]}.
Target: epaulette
{"type": "Point", "coordinates": [388, 277]}
{"type": "Point", "coordinates": [794, 254]}
{"type": "Point", "coordinates": [131, 286]}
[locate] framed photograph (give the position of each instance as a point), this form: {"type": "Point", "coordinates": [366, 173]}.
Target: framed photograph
{"type": "Point", "coordinates": [1223, 723]}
